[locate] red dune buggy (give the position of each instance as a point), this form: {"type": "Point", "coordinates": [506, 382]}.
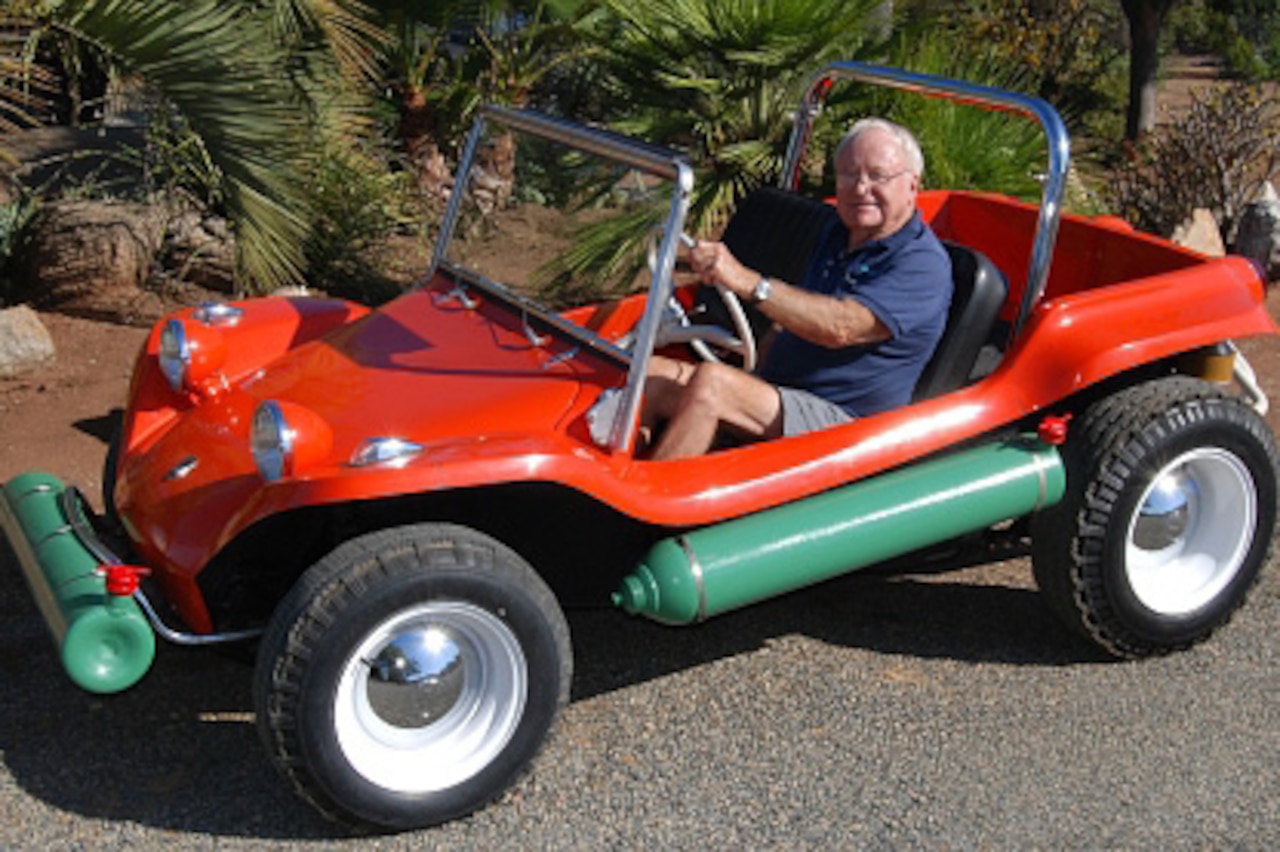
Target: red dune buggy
{"type": "Point", "coordinates": [397, 503]}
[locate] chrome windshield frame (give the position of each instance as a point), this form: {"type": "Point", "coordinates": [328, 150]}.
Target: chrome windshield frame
{"type": "Point", "coordinates": [997, 100]}
{"type": "Point", "coordinates": [653, 160]}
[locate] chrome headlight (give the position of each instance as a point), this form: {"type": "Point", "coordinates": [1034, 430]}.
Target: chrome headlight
{"type": "Point", "coordinates": [271, 441]}
{"type": "Point", "coordinates": [175, 354]}
{"type": "Point", "coordinates": [190, 356]}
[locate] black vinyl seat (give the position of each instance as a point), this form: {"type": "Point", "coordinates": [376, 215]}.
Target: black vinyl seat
{"type": "Point", "coordinates": [972, 325]}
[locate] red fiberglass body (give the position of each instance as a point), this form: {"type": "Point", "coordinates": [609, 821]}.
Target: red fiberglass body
{"type": "Point", "coordinates": [489, 404]}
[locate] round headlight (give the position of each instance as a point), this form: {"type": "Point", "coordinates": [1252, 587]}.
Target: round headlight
{"type": "Point", "coordinates": [271, 441]}
{"type": "Point", "coordinates": [191, 355]}
{"type": "Point", "coordinates": [288, 439]}
{"type": "Point", "coordinates": [175, 354]}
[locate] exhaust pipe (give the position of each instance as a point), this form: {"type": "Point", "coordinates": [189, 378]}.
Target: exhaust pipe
{"type": "Point", "coordinates": [691, 577]}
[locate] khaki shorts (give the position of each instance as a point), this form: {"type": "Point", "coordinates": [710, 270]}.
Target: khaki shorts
{"type": "Point", "coordinates": [806, 412]}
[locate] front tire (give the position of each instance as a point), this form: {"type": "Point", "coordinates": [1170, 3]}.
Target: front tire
{"type": "Point", "coordinates": [1168, 518]}
{"type": "Point", "coordinates": [411, 676]}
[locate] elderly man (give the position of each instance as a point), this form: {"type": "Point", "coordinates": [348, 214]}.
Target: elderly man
{"type": "Point", "coordinates": [851, 338]}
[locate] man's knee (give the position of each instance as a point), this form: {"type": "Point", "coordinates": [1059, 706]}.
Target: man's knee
{"type": "Point", "coordinates": [709, 385]}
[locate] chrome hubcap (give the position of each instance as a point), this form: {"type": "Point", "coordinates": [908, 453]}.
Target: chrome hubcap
{"type": "Point", "coordinates": [431, 697]}
{"type": "Point", "coordinates": [416, 678]}
{"type": "Point", "coordinates": [1192, 531]}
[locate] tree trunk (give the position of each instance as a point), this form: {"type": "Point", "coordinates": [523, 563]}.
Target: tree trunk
{"type": "Point", "coordinates": [1145, 19]}
{"type": "Point", "coordinates": [417, 137]}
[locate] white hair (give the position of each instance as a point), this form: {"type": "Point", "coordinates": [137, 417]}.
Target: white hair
{"type": "Point", "coordinates": [906, 141]}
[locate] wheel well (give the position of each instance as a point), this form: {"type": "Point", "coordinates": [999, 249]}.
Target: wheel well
{"type": "Point", "coordinates": [581, 547]}
{"type": "Point", "coordinates": [1082, 399]}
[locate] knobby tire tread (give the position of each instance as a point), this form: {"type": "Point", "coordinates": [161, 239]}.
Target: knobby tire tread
{"type": "Point", "coordinates": [1108, 443]}
{"type": "Point", "coordinates": [314, 604]}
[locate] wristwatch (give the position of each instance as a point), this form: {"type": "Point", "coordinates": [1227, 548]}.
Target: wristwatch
{"type": "Point", "coordinates": [762, 292]}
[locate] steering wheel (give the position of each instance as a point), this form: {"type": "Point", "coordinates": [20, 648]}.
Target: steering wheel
{"type": "Point", "coordinates": [705, 338]}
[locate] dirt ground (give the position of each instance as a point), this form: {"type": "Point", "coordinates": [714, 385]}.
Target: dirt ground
{"type": "Point", "coordinates": [60, 417]}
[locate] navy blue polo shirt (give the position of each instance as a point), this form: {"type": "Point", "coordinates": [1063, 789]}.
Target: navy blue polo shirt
{"type": "Point", "coordinates": [905, 280]}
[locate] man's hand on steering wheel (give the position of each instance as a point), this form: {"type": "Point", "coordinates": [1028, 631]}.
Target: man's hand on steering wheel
{"type": "Point", "coordinates": [705, 339]}
{"type": "Point", "coordinates": [714, 264]}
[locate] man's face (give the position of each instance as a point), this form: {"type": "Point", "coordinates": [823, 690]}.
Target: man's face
{"type": "Point", "coordinates": [875, 191]}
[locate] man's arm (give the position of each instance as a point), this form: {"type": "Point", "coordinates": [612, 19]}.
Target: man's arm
{"type": "Point", "coordinates": [822, 320]}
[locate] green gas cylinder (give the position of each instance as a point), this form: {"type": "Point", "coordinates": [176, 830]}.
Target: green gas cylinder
{"type": "Point", "coordinates": [104, 641]}
{"type": "Point", "coordinates": [711, 570]}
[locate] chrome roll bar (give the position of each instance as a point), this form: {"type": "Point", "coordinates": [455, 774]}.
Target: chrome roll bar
{"type": "Point", "coordinates": [985, 97]}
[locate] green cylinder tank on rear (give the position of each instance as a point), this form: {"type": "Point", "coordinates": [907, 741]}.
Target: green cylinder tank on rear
{"type": "Point", "coordinates": [105, 642]}
{"type": "Point", "coordinates": [722, 567]}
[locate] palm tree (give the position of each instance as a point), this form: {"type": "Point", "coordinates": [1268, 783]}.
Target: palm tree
{"type": "Point", "coordinates": [449, 56]}
{"type": "Point", "coordinates": [719, 79]}
{"type": "Point", "coordinates": [242, 76]}
{"type": "Point", "coordinates": [716, 79]}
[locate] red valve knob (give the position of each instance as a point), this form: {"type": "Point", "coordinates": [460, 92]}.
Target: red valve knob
{"type": "Point", "coordinates": [123, 580]}
{"type": "Point", "coordinates": [1053, 430]}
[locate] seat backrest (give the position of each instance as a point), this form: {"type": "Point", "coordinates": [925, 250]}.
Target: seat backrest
{"type": "Point", "coordinates": [972, 325]}
{"type": "Point", "coordinates": [772, 231]}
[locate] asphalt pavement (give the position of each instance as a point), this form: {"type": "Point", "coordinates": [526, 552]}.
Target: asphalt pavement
{"type": "Point", "coordinates": [939, 711]}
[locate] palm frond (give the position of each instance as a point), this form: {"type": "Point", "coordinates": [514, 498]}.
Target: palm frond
{"type": "Point", "coordinates": [345, 27]}
{"type": "Point", "coordinates": [221, 74]}
{"type": "Point", "coordinates": [25, 86]}
{"type": "Point", "coordinates": [718, 79]}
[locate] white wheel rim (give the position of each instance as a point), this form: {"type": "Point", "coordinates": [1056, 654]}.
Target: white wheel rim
{"type": "Point", "coordinates": [431, 697]}
{"type": "Point", "coordinates": [1192, 532]}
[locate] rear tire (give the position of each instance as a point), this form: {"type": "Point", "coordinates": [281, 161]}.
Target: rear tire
{"type": "Point", "coordinates": [411, 676]}
{"type": "Point", "coordinates": [1167, 521]}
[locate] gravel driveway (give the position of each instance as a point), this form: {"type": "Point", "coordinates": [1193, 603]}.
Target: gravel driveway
{"type": "Point", "coordinates": [934, 711]}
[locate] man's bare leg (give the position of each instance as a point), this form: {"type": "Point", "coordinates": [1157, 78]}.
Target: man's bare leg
{"type": "Point", "coordinates": [698, 400]}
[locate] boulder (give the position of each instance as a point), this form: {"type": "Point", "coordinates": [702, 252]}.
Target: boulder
{"type": "Point", "coordinates": [1200, 233]}
{"type": "Point", "coordinates": [200, 250]}
{"type": "Point", "coordinates": [1258, 236]}
{"type": "Point", "coordinates": [94, 259]}
{"type": "Point", "coordinates": [24, 342]}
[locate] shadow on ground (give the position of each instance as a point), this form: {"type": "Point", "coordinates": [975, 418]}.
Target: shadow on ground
{"type": "Point", "coordinates": [180, 752]}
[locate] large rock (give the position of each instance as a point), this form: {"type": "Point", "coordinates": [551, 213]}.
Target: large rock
{"type": "Point", "coordinates": [94, 259]}
{"type": "Point", "coordinates": [24, 342]}
{"type": "Point", "coordinates": [1258, 236]}
{"type": "Point", "coordinates": [1200, 233]}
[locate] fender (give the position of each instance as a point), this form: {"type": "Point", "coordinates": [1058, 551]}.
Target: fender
{"type": "Point", "coordinates": [255, 332]}
{"type": "Point", "coordinates": [1083, 338]}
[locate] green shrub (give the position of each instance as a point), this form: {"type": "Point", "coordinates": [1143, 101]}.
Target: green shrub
{"type": "Point", "coordinates": [1245, 33]}
{"type": "Point", "coordinates": [16, 217]}
{"type": "Point", "coordinates": [1244, 62]}
{"type": "Point", "coordinates": [1216, 156]}
{"type": "Point", "coordinates": [356, 201]}
{"type": "Point", "coordinates": [1069, 51]}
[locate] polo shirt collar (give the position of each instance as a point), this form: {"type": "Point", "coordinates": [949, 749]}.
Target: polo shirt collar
{"type": "Point", "coordinates": [899, 238]}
